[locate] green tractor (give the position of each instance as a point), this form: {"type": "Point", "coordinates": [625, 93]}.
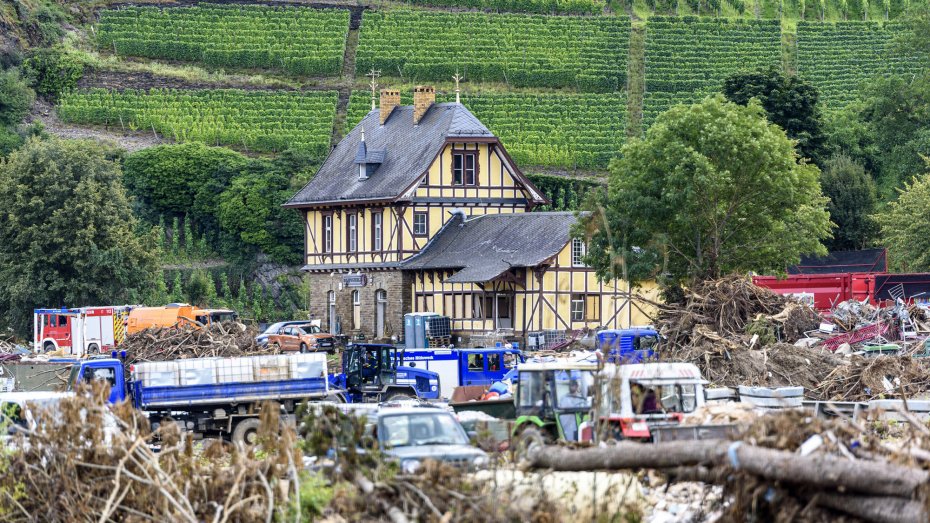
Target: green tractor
{"type": "Point", "coordinates": [553, 403]}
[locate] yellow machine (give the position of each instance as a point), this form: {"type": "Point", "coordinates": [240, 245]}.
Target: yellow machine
{"type": "Point", "coordinates": [175, 314]}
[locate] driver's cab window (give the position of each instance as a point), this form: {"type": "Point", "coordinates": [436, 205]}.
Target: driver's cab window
{"type": "Point", "coordinates": [62, 321]}
{"type": "Point", "coordinates": [573, 389]}
{"type": "Point", "coordinates": [510, 360]}
{"type": "Point", "coordinates": [386, 362]}
{"type": "Point", "coordinates": [647, 342]}
{"type": "Point", "coordinates": [353, 364]}
{"type": "Point", "coordinates": [494, 362]}
{"type": "Point", "coordinates": [476, 362]}
{"type": "Point", "coordinates": [532, 389]}
{"type": "Point", "coordinates": [100, 374]}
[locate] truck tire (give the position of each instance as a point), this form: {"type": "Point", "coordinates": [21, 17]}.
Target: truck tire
{"type": "Point", "coordinates": [48, 347]}
{"type": "Point", "coordinates": [245, 435]}
{"type": "Point", "coordinates": [93, 348]}
{"type": "Point", "coordinates": [303, 348]}
{"type": "Point", "coordinates": [397, 396]}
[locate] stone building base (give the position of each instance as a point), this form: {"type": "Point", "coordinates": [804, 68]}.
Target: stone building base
{"type": "Point", "coordinates": [398, 292]}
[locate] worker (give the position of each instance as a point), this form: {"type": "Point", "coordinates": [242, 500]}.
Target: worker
{"type": "Point", "coordinates": [574, 399]}
{"type": "Point", "coordinates": [650, 405]}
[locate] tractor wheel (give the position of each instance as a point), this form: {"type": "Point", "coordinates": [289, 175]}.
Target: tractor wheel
{"type": "Point", "coordinates": [335, 398]}
{"type": "Point", "coordinates": [397, 396]}
{"type": "Point", "coordinates": [527, 439]}
{"type": "Point", "coordinates": [245, 435]}
{"type": "Point", "coordinates": [303, 348]}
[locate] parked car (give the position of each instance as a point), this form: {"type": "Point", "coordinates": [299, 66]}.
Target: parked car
{"type": "Point", "coordinates": [413, 434]}
{"type": "Point", "coordinates": [262, 339]}
{"type": "Point", "coordinates": [304, 338]}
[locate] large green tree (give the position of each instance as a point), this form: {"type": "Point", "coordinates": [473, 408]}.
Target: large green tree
{"type": "Point", "coordinates": [789, 102]}
{"type": "Point", "coordinates": [67, 233]}
{"type": "Point", "coordinates": [713, 188]}
{"type": "Point", "coordinates": [905, 222]}
{"type": "Point", "coordinates": [852, 202]}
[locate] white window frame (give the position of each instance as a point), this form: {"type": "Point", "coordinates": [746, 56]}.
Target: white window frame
{"type": "Point", "coordinates": [576, 313]}
{"type": "Point", "coordinates": [579, 250]}
{"type": "Point", "coordinates": [328, 233]}
{"type": "Point", "coordinates": [353, 232]}
{"type": "Point", "coordinates": [425, 223]}
{"type": "Point", "coordinates": [377, 243]}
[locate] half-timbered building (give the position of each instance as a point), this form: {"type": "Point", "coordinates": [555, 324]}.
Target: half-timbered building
{"type": "Point", "coordinates": [420, 208]}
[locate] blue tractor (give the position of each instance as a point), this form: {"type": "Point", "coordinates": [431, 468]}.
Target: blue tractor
{"type": "Point", "coordinates": [635, 345]}
{"type": "Point", "coordinates": [374, 373]}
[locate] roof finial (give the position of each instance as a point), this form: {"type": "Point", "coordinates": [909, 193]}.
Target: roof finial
{"type": "Point", "coordinates": [374, 85]}
{"type": "Point", "coordinates": [363, 133]}
{"type": "Point", "coordinates": [457, 77]}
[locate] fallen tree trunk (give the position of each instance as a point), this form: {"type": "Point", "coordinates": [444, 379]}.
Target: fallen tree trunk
{"type": "Point", "coordinates": [880, 509]}
{"type": "Point", "coordinates": [821, 471]}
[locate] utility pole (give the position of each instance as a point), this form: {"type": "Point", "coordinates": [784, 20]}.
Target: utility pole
{"type": "Point", "coordinates": [374, 85]}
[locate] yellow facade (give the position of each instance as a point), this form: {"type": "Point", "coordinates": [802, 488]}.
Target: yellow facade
{"type": "Point", "coordinates": [533, 300]}
{"type": "Point", "coordinates": [497, 190]}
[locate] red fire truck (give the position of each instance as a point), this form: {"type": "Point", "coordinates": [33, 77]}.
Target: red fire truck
{"type": "Point", "coordinates": [80, 331]}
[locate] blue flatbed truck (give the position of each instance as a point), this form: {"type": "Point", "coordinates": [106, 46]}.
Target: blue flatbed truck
{"type": "Point", "coordinates": [228, 410]}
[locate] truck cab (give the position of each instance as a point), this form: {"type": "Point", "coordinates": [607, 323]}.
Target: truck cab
{"type": "Point", "coordinates": [376, 372]}
{"type": "Point", "coordinates": [638, 400]}
{"type": "Point", "coordinates": [465, 367]}
{"type": "Point", "coordinates": [109, 370]}
{"type": "Point", "coordinates": [634, 345]}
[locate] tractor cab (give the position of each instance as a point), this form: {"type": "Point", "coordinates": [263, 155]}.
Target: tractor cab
{"type": "Point", "coordinates": [369, 367]}
{"type": "Point", "coordinates": [554, 400]}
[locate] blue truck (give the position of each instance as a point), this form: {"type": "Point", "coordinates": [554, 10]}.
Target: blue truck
{"type": "Point", "coordinates": [465, 367]}
{"type": "Point", "coordinates": [373, 372]}
{"type": "Point", "coordinates": [212, 397]}
{"type": "Point", "coordinates": [634, 345]}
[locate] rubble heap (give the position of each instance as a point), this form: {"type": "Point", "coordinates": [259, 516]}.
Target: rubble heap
{"type": "Point", "coordinates": [170, 343]}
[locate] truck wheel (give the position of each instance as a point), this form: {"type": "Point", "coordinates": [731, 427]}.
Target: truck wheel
{"type": "Point", "coordinates": [245, 435]}
{"type": "Point", "coordinates": [303, 348]}
{"type": "Point", "coordinates": [48, 347]}
{"type": "Point", "coordinates": [93, 348]}
{"type": "Point", "coordinates": [529, 438]}
{"type": "Point", "coordinates": [397, 396]}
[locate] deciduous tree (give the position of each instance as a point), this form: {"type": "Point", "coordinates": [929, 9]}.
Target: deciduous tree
{"type": "Point", "coordinates": [852, 201]}
{"type": "Point", "coordinates": [67, 233]}
{"type": "Point", "coordinates": [713, 188]}
{"type": "Point", "coordinates": [904, 224]}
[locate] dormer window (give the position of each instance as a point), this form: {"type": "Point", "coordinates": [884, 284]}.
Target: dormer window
{"type": "Point", "coordinates": [465, 168]}
{"type": "Point", "coordinates": [362, 171]}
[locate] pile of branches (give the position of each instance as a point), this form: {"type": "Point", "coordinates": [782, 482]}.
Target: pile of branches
{"type": "Point", "coordinates": [86, 462]}
{"type": "Point", "coordinates": [844, 470]}
{"type": "Point", "coordinates": [864, 379]}
{"type": "Point", "coordinates": [187, 341]}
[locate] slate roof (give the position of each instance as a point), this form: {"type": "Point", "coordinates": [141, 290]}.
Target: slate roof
{"type": "Point", "coordinates": [484, 247]}
{"type": "Point", "coordinates": [408, 150]}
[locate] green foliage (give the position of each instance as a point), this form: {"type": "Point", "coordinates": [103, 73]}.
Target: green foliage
{"type": "Point", "coordinates": [67, 232]}
{"type": "Point", "coordinates": [791, 103]}
{"type": "Point", "coordinates": [298, 40]}
{"type": "Point", "coordinates": [200, 289]}
{"type": "Point", "coordinates": [9, 141]}
{"type": "Point", "coordinates": [852, 201]}
{"type": "Point", "coordinates": [554, 130]}
{"type": "Point", "coordinates": [521, 50]}
{"type": "Point", "coordinates": [179, 179]}
{"type": "Point", "coordinates": [713, 188]}
{"type": "Point", "coordinates": [591, 7]}
{"type": "Point", "coordinates": [904, 224]}
{"type": "Point", "coordinates": [691, 54]}
{"type": "Point", "coordinates": [53, 71]}
{"type": "Point", "coordinates": [566, 194]}
{"type": "Point", "coordinates": [15, 98]}
{"type": "Point", "coordinates": [838, 58]}
{"type": "Point", "coordinates": [270, 121]}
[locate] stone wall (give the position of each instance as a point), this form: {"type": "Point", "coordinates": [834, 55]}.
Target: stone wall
{"type": "Point", "coordinates": [399, 288]}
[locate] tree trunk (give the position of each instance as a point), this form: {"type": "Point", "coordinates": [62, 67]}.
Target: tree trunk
{"type": "Point", "coordinates": [821, 471]}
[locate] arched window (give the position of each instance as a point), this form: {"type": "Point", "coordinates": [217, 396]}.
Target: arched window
{"type": "Point", "coordinates": [380, 312]}
{"type": "Point", "coordinates": [356, 310]}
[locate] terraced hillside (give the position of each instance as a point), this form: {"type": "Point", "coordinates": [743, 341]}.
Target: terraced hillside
{"type": "Point", "coordinates": [686, 58]}
{"type": "Point", "coordinates": [524, 51]}
{"type": "Point", "coordinates": [266, 121]}
{"type": "Point", "coordinates": [302, 41]}
{"type": "Point", "coordinates": [838, 58]}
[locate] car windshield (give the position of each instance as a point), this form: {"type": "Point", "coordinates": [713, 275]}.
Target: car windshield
{"type": "Point", "coordinates": [410, 430]}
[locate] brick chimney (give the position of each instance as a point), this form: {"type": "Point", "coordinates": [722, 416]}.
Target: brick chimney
{"type": "Point", "coordinates": [423, 97]}
{"type": "Point", "coordinates": [389, 100]}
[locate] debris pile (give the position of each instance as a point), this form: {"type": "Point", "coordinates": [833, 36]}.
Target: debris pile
{"type": "Point", "coordinates": [88, 462]}
{"type": "Point", "coordinates": [185, 341]}
{"type": "Point", "coordinates": [787, 466]}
